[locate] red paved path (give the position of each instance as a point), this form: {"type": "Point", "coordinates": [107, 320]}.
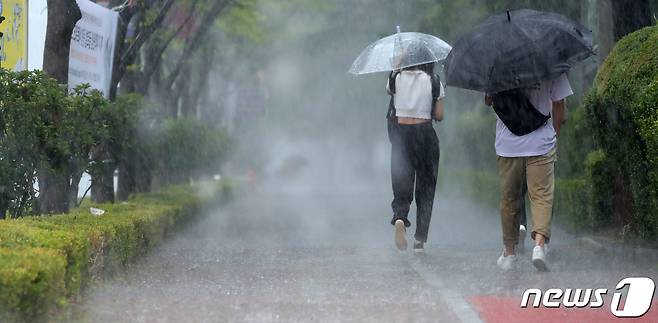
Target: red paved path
{"type": "Point", "coordinates": [506, 309]}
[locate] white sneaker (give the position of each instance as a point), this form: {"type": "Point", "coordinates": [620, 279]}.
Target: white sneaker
{"type": "Point", "coordinates": [419, 247]}
{"type": "Point", "coordinates": [400, 235]}
{"type": "Point", "coordinates": [506, 263]}
{"type": "Point", "coordinates": [539, 258]}
{"type": "Point", "coordinates": [522, 234]}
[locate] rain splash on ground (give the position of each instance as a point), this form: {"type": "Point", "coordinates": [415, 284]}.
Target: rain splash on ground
{"type": "Point", "coordinates": [293, 251]}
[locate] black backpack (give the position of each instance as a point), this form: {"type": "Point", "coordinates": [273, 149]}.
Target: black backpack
{"type": "Point", "coordinates": [517, 112]}
{"type": "Point", "coordinates": [392, 119]}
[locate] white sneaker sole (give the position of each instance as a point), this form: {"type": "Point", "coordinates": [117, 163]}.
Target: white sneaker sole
{"type": "Point", "coordinates": [400, 235]}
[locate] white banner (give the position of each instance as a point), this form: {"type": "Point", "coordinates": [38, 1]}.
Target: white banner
{"type": "Point", "coordinates": [92, 47]}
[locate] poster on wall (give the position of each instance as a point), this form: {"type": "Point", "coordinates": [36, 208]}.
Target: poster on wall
{"type": "Point", "coordinates": [13, 44]}
{"type": "Point", "coordinates": [92, 47]}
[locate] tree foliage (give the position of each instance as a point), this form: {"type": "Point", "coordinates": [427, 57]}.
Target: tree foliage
{"type": "Point", "coordinates": [186, 148]}
{"type": "Point", "coordinates": [43, 128]}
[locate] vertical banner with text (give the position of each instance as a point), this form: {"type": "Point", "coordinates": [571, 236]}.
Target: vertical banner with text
{"type": "Point", "coordinates": [92, 47]}
{"type": "Point", "coordinates": [13, 45]}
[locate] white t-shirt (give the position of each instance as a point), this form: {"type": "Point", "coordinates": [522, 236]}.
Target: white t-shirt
{"type": "Point", "coordinates": [413, 94]}
{"type": "Point", "coordinates": [542, 140]}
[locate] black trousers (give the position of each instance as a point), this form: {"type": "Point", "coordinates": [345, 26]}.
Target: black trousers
{"type": "Point", "coordinates": [414, 161]}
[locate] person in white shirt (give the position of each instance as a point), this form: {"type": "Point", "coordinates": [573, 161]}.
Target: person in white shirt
{"type": "Point", "coordinates": [530, 158]}
{"type": "Point", "coordinates": [416, 99]}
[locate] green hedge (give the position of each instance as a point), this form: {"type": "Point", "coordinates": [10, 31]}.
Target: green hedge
{"type": "Point", "coordinates": [622, 110]}
{"type": "Point", "coordinates": [46, 261]}
{"type": "Point", "coordinates": [571, 206]}
{"type": "Point", "coordinates": [482, 187]}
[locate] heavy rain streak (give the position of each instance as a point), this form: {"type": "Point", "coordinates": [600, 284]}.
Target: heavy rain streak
{"type": "Point", "coordinates": [333, 161]}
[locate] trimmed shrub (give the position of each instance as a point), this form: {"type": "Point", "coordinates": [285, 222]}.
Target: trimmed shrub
{"type": "Point", "coordinates": [31, 283]}
{"type": "Point", "coordinates": [571, 203]}
{"type": "Point", "coordinates": [570, 206]}
{"type": "Point", "coordinates": [600, 181]}
{"type": "Point", "coordinates": [471, 144]}
{"type": "Point", "coordinates": [480, 186]}
{"type": "Point", "coordinates": [575, 143]}
{"type": "Point", "coordinates": [185, 148]}
{"type": "Point", "coordinates": [623, 113]}
{"type": "Point", "coordinates": [48, 260]}
{"type": "Point", "coordinates": [71, 245]}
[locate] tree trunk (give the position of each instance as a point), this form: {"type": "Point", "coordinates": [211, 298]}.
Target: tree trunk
{"type": "Point", "coordinates": [126, 181]}
{"type": "Point", "coordinates": [74, 185]}
{"type": "Point", "coordinates": [62, 16]}
{"type": "Point", "coordinates": [53, 191]}
{"type": "Point", "coordinates": [102, 178]}
{"type": "Point", "coordinates": [144, 175]}
{"type": "Point", "coordinates": [629, 16]}
{"type": "Point", "coordinates": [183, 94]}
{"type": "Point", "coordinates": [197, 90]}
{"type": "Point", "coordinates": [127, 184]}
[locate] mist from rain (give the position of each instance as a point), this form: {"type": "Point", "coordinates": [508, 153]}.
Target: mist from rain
{"type": "Point", "coordinates": [324, 132]}
{"type": "Point", "coordinates": [321, 193]}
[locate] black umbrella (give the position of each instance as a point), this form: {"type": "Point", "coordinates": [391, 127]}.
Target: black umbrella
{"type": "Point", "coordinates": [517, 49]}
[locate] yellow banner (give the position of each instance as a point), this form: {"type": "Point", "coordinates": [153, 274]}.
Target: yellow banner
{"type": "Point", "coordinates": [13, 45]}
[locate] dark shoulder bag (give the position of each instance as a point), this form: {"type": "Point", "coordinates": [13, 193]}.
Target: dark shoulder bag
{"type": "Point", "coordinates": [517, 112]}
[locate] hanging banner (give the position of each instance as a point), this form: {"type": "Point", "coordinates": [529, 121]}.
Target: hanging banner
{"type": "Point", "coordinates": [13, 45]}
{"type": "Point", "coordinates": [92, 47]}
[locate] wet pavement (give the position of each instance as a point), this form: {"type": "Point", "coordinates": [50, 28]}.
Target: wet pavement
{"type": "Point", "coordinates": [322, 254]}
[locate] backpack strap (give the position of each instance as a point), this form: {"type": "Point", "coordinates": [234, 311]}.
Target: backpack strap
{"type": "Point", "coordinates": [391, 81]}
{"type": "Point", "coordinates": [436, 88]}
{"type": "Point", "coordinates": [391, 88]}
{"type": "Point", "coordinates": [436, 91]}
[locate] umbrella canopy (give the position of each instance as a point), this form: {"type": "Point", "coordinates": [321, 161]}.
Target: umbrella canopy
{"type": "Point", "coordinates": [399, 51]}
{"type": "Point", "coordinates": [517, 49]}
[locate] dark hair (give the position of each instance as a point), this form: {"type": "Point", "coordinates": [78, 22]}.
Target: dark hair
{"type": "Point", "coordinates": [427, 68]}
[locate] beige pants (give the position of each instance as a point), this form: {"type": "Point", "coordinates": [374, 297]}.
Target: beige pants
{"type": "Point", "coordinates": [539, 173]}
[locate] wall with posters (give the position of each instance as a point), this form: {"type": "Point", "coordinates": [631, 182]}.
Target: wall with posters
{"type": "Point", "coordinates": [13, 45]}
{"type": "Point", "coordinates": [92, 47]}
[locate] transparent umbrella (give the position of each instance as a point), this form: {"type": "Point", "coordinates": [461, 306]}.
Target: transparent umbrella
{"type": "Point", "coordinates": [398, 51]}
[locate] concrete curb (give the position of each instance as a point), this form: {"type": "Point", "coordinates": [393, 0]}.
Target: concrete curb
{"type": "Point", "coordinates": [459, 306]}
{"type": "Point", "coordinates": [616, 249]}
